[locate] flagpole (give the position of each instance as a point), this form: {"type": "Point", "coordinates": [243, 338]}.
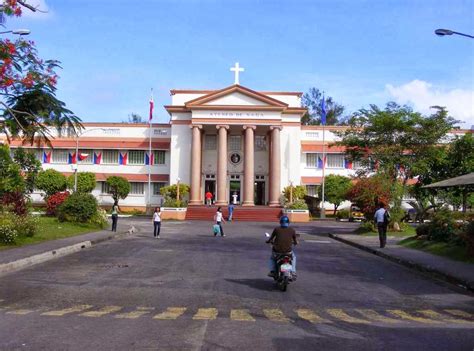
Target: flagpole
{"type": "Point", "coordinates": [323, 122]}
{"type": "Point", "coordinates": [149, 149]}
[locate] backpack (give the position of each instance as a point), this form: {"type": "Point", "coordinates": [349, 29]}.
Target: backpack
{"type": "Point", "coordinates": [386, 217]}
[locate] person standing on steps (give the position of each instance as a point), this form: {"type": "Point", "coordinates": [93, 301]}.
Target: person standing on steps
{"type": "Point", "coordinates": [208, 198]}
{"type": "Point", "coordinates": [157, 222]}
{"type": "Point", "coordinates": [219, 218]}
{"type": "Point", "coordinates": [231, 211]}
{"type": "Point", "coordinates": [381, 218]}
{"type": "Point", "coordinates": [115, 212]}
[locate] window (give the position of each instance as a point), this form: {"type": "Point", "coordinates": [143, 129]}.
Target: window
{"type": "Point", "coordinates": [260, 143]}
{"type": "Point", "coordinates": [335, 161]}
{"type": "Point", "coordinates": [137, 188]}
{"type": "Point", "coordinates": [356, 165]}
{"type": "Point", "coordinates": [105, 188]}
{"type": "Point", "coordinates": [157, 187]}
{"type": "Point", "coordinates": [234, 142]}
{"type": "Point", "coordinates": [210, 142]}
{"type": "Point", "coordinates": [312, 190]}
{"type": "Point", "coordinates": [60, 156]}
{"type": "Point", "coordinates": [39, 154]}
{"type": "Point", "coordinates": [136, 157]}
{"type": "Point", "coordinates": [110, 157]}
{"type": "Point", "coordinates": [311, 160]}
{"type": "Point", "coordinates": [89, 159]}
{"type": "Point", "coordinates": [160, 157]}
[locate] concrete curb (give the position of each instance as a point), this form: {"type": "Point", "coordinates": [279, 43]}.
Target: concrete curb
{"type": "Point", "coordinates": [22, 263]}
{"type": "Point", "coordinates": [432, 272]}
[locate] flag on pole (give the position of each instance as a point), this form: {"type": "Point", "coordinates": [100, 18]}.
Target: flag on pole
{"type": "Point", "coordinates": [347, 163]}
{"type": "Point", "coordinates": [152, 105]}
{"type": "Point", "coordinates": [321, 162]}
{"type": "Point", "coordinates": [323, 111]}
{"type": "Point", "coordinates": [46, 157]}
{"type": "Point", "coordinates": [97, 158]}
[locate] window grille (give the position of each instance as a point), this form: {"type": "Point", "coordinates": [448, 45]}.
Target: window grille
{"type": "Point", "coordinates": [311, 160]}
{"type": "Point", "coordinates": [136, 157]}
{"type": "Point", "coordinates": [60, 156]}
{"type": "Point", "coordinates": [235, 142]}
{"type": "Point", "coordinates": [335, 160]}
{"type": "Point", "coordinates": [137, 188]}
{"type": "Point", "coordinates": [160, 157]}
{"type": "Point", "coordinates": [110, 157]}
{"type": "Point", "coordinates": [210, 142]}
{"type": "Point", "coordinates": [260, 143]}
{"type": "Point", "coordinates": [157, 187]}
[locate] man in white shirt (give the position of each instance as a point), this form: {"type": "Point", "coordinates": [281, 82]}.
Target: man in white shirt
{"type": "Point", "coordinates": [381, 219]}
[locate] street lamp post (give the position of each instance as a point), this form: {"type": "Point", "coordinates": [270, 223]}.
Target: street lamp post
{"type": "Point", "coordinates": [442, 32]}
{"type": "Point", "coordinates": [74, 166]}
{"type": "Point", "coordinates": [177, 189]}
{"type": "Point", "coordinates": [17, 31]}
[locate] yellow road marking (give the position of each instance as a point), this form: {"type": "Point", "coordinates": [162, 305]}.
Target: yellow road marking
{"type": "Point", "coordinates": [101, 312]}
{"type": "Point", "coordinates": [171, 313]}
{"type": "Point", "coordinates": [241, 315]}
{"type": "Point", "coordinates": [460, 313]}
{"type": "Point", "coordinates": [20, 312]}
{"type": "Point", "coordinates": [410, 317]}
{"type": "Point", "coordinates": [343, 316]}
{"type": "Point", "coordinates": [275, 315]}
{"type": "Point", "coordinates": [373, 315]}
{"type": "Point", "coordinates": [140, 311]}
{"type": "Point", "coordinates": [73, 309]}
{"type": "Point", "coordinates": [206, 314]}
{"type": "Point", "coordinates": [310, 316]}
{"type": "Point", "coordinates": [443, 317]}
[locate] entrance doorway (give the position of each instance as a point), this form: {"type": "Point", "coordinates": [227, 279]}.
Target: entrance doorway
{"type": "Point", "coordinates": [234, 189]}
{"type": "Point", "coordinates": [210, 186]}
{"type": "Point", "coordinates": [259, 192]}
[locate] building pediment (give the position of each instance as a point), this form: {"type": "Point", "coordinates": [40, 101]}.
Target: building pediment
{"type": "Point", "coordinates": [235, 96]}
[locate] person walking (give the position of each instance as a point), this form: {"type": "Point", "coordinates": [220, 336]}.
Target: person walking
{"type": "Point", "coordinates": [115, 212]}
{"type": "Point", "coordinates": [381, 218]}
{"type": "Point", "coordinates": [219, 218]}
{"type": "Point", "coordinates": [208, 198]}
{"type": "Point", "coordinates": [157, 222]}
{"type": "Point", "coordinates": [231, 211]}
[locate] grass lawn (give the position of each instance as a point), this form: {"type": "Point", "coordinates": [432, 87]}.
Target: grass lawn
{"type": "Point", "coordinates": [406, 232]}
{"type": "Point", "coordinates": [454, 252]}
{"type": "Point", "coordinates": [50, 229]}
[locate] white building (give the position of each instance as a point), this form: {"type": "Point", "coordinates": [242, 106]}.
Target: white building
{"type": "Point", "coordinates": [233, 141]}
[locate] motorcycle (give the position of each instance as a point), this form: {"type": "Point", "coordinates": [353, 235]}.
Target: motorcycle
{"type": "Point", "coordinates": [284, 272]}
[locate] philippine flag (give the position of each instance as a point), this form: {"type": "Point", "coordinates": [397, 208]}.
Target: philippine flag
{"type": "Point", "coordinates": [320, 162]}
{"type": "Point", "coordinates": [152, 105]}
{"type": "Point", "coordinates": [46, 157]}
{"type": "Point", "coordinates": [123, 159]}
{"type": "Point", "coordinates": [347, 163]}
{"type": "Point", "coordinates": [97, 158]}
{"type": "Point", "coordinates": [71, 158]}
{"type": "Point", "coordinates": [82, 156]}
{"type": "Point", "coordinates": [149, 160]}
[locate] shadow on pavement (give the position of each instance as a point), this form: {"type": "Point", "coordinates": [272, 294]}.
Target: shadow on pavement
{"type": "Point", "coordinates": [260, 284]}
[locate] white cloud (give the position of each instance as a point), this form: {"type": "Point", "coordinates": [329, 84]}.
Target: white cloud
{"type": "Point", "coordinates": [43, 12]}
{"type": "Point", "coordinates": [421, 95]}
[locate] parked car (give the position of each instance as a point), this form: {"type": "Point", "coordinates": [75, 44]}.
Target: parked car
{"type": "Point", "coordinates": [355, 214]}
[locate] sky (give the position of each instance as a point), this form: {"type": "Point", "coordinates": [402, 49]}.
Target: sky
{"type": "Point", "coordinates": [113, 52]}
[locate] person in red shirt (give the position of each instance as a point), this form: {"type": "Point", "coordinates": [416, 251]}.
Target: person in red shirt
{"type": "Point", "coordinates": [208, 198]}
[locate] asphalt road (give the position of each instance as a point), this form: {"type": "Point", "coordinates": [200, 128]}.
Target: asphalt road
{"type": "Point", "coordinates": [190, 290]}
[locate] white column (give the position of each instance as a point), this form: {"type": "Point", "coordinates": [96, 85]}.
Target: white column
{"type": "Point", "coordinates": [222, 165]}
{"type": "Point", "coordinates": [249, 168]}
{"type": "Point", "coordinates": [195, 191]}
{"type": "Point", "coordinates": [275, 167]}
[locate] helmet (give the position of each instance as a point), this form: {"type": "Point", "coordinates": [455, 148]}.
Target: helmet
{"type": "Point", "coordinates": [284, 221]}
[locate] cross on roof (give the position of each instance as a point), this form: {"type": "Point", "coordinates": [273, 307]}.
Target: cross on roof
{"type": "Point", "coordinates": [237, 69]}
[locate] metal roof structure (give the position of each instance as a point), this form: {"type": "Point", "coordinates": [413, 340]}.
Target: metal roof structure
{"type": "Point", "coordinates": [466, 179]}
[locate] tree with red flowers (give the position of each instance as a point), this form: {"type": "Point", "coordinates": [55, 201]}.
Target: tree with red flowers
{"type": "Point", "coordinates": [368, 192]}
{"type": "Point", "coordinates": [27, 87]}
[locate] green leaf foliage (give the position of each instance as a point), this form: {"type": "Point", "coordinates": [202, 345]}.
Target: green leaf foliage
{"type": "Point", "coordinates": [51, 182]}
{"type": "Point", "coordinates": [119, 187]}
{"type": "Point", "coordinates": [85, 182]}
{"type": "Point", "coordinates": [312, 101]}
{"type": "Point", "coordinates": [10, 173]}
{"type": "Point", "coordinates": [29, 165]}
{"type": "Point", "coordinates": [336, 189]}
{"type": "Point", "coordinates": [297, 192]}
{"type": "Point", "coordinates": [78, 207]}
{"type": "Point", "coordinates": [170, 193]}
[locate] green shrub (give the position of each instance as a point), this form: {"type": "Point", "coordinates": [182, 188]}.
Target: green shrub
{"type": "Point", "coordinates": [298, 192]}
{"type": "Point", "coordinates": [423, 229]}
{"type": "Point", "coordinates": [119, 187]}
{"type": "Point", "coordinates": [54, 201]}
{"type": "Point", "coordinates": [26, 226]}
{"type": "Point", "coordinates": [442, 227]}
{"type": "Point", "coordinates": [78, 207]}
{"type": "Point", "coordinates": [85, 182]}
{"type": "Point", "coordinates": [8, 235]}
{"type": "Point", "coordinates": [23, 226]}
{"type": "Point", "coordinates": [366, 227]}
{"type": "Point", "coordinates": [51, 182]}
{"type": "Point", "coordinates": [100, 218]}
{"type": "Point", "coordinates": [169, 202]}
{"type": "Point", "coordinates": [298, 204]}
{"type": "Point", "coordinates": [342, 214]}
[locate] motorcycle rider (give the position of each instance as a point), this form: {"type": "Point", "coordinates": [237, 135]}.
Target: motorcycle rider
{"type": "Point", "coordinates": [282, 238]}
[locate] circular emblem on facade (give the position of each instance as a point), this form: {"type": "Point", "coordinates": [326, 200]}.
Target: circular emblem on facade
{"type": "Point", "coordinates": [235, 158]}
